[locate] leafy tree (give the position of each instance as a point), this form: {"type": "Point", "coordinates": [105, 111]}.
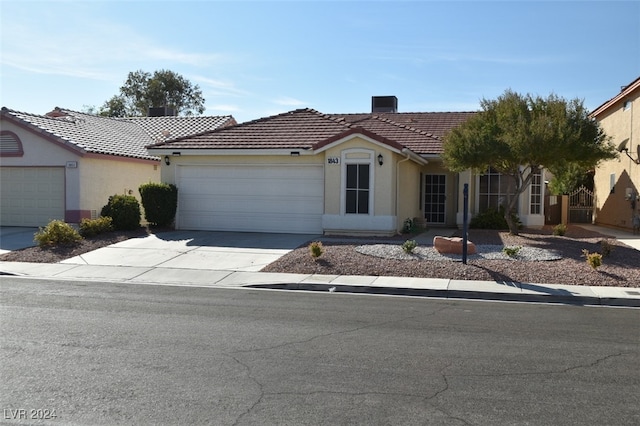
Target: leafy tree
{"type": "Point", "coordinates": [163, 88]}
{"type": "Point", "coordinates": [568, 177]}
{"type": "Point", "coordinates": [520, 134]}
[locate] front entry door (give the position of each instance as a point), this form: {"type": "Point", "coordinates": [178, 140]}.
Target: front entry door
{"type": "Point", "coordinates": [435, 189]}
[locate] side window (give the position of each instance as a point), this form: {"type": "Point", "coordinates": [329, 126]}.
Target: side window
{"type": "Point", "coordinates": [357, 189]}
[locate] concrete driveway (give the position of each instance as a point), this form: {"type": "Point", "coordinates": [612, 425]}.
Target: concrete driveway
{"type": "Point", "coordinates": [15, 238]}
{"type": "Point", "coordinates": [201, 250]}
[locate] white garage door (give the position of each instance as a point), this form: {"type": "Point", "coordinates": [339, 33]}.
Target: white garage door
{"type": "Point", "coordinates": [31, 196]}
{"type": "Point", "coordinates": [284, 198]}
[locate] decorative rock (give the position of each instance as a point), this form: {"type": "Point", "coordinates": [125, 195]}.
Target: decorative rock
{"type": "Point", "coordinates": [452, 245]}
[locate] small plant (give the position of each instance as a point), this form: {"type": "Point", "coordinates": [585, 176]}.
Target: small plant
{"type": "Point", "coordinates": [57, 233]}
{"type": "Point", "coordinates": [606, 248]}
{"type": "Point", "coordinates": [511, 251]}
{"type": "Point", "coordinates": [92, 227]}
{"type": "Point", "coordinates": [409, 245]}
{"type": "Point", "coordinates": [316, 249]}
{"type": "Point", "coordinates": [593, 259]}
{"type": "Point", "coordinates": [560, 229]}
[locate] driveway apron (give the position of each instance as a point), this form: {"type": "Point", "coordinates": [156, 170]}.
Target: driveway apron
{"type": "Point", "coordinates": [201, 250]}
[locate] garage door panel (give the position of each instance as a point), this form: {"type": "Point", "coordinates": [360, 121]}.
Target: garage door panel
{"type": "Point", "coordinates": [31, 196]}
{"type": "Point", "coordinates": [251, 198]}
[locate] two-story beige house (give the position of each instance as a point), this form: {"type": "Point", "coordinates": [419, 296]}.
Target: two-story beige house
{"type": "Point", "coordinates": [617, 182]}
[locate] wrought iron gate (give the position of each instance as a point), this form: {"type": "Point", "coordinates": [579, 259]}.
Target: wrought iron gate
{"type": "Point", "coordinates": [581, 206]}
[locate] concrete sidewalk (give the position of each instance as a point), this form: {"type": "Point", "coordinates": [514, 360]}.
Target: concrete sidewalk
{"type": "Point", "coordinates": [210, 259]}
{"type": "Point", "coordinates": [424, 287]}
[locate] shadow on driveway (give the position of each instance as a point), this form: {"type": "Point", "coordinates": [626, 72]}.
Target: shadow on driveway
{"type": "Point", "coordinates": [253, 240]}
{"type": "Point", "coordinates": [15, 238]}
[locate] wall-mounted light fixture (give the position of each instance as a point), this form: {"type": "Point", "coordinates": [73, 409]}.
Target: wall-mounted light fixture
{"type": "Point", "coordinates": [380, 159]}
{"type": "Point", "coordinates": [167, 161]}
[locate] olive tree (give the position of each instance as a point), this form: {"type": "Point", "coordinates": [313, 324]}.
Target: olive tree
{"type": "Point", "coordinates": [518, 135]}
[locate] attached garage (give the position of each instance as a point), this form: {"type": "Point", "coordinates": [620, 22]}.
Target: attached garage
{"type": "Point", "coordinates": [31, 196]}
{"type": "Point", "coordinates": [258, 198]}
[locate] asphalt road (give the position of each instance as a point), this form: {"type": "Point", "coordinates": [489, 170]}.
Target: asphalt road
{"type": "Point", "coordinates": [104, 353]}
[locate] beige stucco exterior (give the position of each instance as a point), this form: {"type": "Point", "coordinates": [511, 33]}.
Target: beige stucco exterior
{"type": "Point", "coordinates": [617, 182]}
{"type": "Point", "coordinates": [397, 192]}
{"type": "Point", "coordinates": [89, 179]}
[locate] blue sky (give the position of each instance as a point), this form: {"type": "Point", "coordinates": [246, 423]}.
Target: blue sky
{"type": "Point", "coordinates": [254, 59]}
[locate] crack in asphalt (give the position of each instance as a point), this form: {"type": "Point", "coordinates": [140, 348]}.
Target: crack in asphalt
{"type": "Point", "coordinates": [352, 330]}
{"type": "Point", "coordinates": [536, 373]}
{"type": "Point", "coordinates": [335, 333]}
{"type": "Point", "coordinates": [253, 379]}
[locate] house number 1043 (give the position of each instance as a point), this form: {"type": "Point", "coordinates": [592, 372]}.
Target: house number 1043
{"type": "Point", "coordinates": [333, 160]}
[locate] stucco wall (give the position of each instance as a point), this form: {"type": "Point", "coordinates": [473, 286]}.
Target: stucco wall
{"type": "Point", "coordinates": [37, 151]}
{"type": "Point", "coordinates": [384, 217]}
{"type": "Point", "coordinates": [99, 178]}
{"type": "Point", "coordinates": [612, 207]}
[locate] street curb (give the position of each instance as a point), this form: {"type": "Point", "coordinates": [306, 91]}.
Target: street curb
{"type": "Point", "coordinates": [452, 294]}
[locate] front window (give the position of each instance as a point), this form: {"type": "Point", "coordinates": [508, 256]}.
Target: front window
{"type": "Point", "coordinates": [357, 189]}
{"type": "Point", "coordinates": [536, 193]}
{"type": "Point", "coordinates": [494, 188]}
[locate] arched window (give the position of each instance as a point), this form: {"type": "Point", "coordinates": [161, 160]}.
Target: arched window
{"type": "Point", "coordinates": [10, 145]}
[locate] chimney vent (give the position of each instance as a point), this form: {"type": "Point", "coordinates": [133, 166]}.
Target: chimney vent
{"type": "Point", "coordinates": [384, 104]}
{"type": "Point", "coordinates": [163, 111]}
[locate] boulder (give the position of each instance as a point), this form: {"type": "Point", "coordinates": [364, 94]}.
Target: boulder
{"type": "Point", "coordinates": [452, 245]}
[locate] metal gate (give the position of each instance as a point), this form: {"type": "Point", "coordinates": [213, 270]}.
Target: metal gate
{"type": "Point", "coordinates": [581, 206]}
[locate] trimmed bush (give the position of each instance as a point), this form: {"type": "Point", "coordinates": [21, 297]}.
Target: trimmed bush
{"type": "Point", "coordinates": [57, 233]}
{"type": "Point", "coordinates": [160, 202]}
{"type": "Point", "coordinates": [92, 227]}
{"type": "Point", "coordinates": [124, 210]}
{"type": "Point", "coordinates": [493, 219]}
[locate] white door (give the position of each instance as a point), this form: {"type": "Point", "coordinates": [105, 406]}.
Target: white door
{"type": "Point", "coordinates": [256, 198]}
{"type": "Point", "coordinates": [31, 196]}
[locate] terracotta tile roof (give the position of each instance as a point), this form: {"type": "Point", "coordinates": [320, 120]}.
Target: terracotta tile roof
{"type": "Point", "coordinates": [309, 129]}
{"type": "Point", "coordinates": [299, 129]}
{"type": "Point", "coordinates": [88, 133]}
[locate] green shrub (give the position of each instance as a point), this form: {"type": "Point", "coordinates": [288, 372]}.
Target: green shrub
{"type": "Point", "coordinates": [56, 233]}
{"type": "Point", "coordinates": [493, 219]}
{"type": "Point", "coordinates": [160, 202]}
{"type": "Point", "coordinates": [316, 249]}
{"type": "Point", "coordinates": [560, 229]}
{"type": "Point", "coordinates": [593, 259]}
{"type": "Point", "coordinates": [124, 210]}
{"type": "Point", "coordinates": [409, 246]}
{"type": "Point", "coordinates": [511, 251]}
{"type": "Point", "coordinates": [92, 227]}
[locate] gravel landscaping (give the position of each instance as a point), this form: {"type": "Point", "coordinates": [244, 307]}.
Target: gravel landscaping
{"type": "Point", "coordinates": [542, 259]}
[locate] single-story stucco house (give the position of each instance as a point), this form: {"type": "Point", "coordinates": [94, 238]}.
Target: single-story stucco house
{"type": "Point", "coordinates": [617, 182]}
{"type": "Point", "coordinates": [65, 164]}
{"type": "Point", "coordinates": [308, 172]}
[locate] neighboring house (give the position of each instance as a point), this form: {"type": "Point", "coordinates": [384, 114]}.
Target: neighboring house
{"type": "Point", "coordinates": [308, 172]}
{"type": "Point", "coordinates": [617, 182]}
{"type": "Point", "coordinates": [65, 164]}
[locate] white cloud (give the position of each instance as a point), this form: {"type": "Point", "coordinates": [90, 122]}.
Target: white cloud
{"type": "Point", "coordinates": [288, 101]}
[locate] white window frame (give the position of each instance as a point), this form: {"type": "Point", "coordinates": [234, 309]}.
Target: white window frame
{"type": "Point", "coordinates": [536, 182]}
{"type": "Point", "coordinates": [367, 158]}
